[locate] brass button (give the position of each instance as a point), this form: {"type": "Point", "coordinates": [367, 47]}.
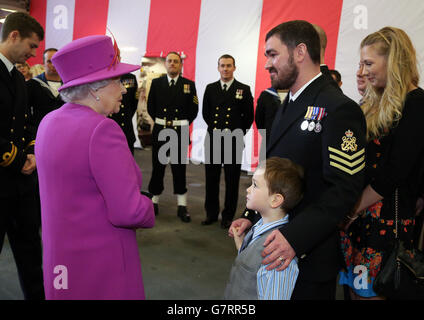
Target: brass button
{"type": "Point", "coordinates": [228, 115]}
{"type": "Point", "coordinates": [122, 114]}
{"type": "Point", "coordinates": [217, 108]}
{"type": "Point", "coordinates": [164, 109]}
{"type": "Point", "coordinates": [229, 109]}
{"type": "Point", "coordinates": [175, 128]}
{"type": "Point", "coordinates": [13, 118]}
{"type": "Point", "coordinates": [11, 130]}
{"type": "Point", "coordinates": [176, 110]}
{"type": "Point", "coordinates": [26, 116]}
{"type": "Point", "coordinates": [216, 115]}
{"type": "Point", "coordinates": [226, 122]}
{"type": "Point", "coordinates": [122, 124]}
{"type": "Point", "coordinates": [23, 139]}
{"type": "Point", "coordinates": [215, 121]}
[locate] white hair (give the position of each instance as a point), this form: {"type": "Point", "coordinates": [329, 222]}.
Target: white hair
{"type": "Point", "coordinates": [81, 92]}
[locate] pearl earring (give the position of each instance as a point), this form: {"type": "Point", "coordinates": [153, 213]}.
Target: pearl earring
{"type": "Point", "coordinates": [97, 98]}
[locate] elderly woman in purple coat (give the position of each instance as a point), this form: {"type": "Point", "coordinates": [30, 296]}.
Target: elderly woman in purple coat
{"type": "Point", "coordinates": [89, 182]}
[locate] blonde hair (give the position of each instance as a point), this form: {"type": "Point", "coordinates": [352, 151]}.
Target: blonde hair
{"type": "Point", "coordinates": [37, 69]}
{"type": "Point", "coordinates": [384, 109]}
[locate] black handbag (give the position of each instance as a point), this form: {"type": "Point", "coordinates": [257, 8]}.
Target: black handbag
{"type": "Point", "coordinates": [402, 275]}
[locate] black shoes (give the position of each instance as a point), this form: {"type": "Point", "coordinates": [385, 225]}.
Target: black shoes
{"type": "Point", "coordinates": [208, 221]}
{"type": "Point", "coordinates": [183, 214]}
{"type": "Point", "coordinates": [225, 224]}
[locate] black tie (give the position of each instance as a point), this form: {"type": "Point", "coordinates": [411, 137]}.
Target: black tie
{"type": "Point", "coordinates": [225, 87]}
{"type": "Point", "coordinates": [14, 73]}
{"type": "Point", "coordinates": [285, 107]}
{"type": "Point", "coordinates": [172, 83]}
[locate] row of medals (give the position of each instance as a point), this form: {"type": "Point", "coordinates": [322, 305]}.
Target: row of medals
{"type": "Point", "coordinates": [317, 127]}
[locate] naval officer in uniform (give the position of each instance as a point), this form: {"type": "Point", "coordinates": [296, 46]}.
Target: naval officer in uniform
{"type": "Point", "coordinates": [173, 105]}
{"type": "Point", "coordinates": [19, 218]}
{"type": "Point", "coordinates": [228, 111]}
{"type": "Point", "coordinates": [128, 108]}
{"type": "Point", "coordinates": [321, 129]}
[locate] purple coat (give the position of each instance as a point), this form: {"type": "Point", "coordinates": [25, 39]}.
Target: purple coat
{"type": "Point", "coordinates": [90, 206]}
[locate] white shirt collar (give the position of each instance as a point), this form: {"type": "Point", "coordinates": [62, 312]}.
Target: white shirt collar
{"type": "Point", "coordinates": [175, 79]}
{"type": "Point", "coordinates": [9, 65]}
{"type": "Point", "coordinates": [229, 83]}
{"type": "Point", "coordinates": [293, 97]}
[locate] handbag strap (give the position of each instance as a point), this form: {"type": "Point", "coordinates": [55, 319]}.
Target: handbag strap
{"type": "Point", "coordinates": [397, 272]}
{"type": "Point", "coordinates": [396, 212]}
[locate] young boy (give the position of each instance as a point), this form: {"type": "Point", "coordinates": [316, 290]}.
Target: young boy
{"type": "Point", "coordinates": [277, 187]}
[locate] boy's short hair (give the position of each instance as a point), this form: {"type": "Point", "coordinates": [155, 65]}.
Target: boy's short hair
{"type": "Point", "coordinates": [23, 23]}
{"type": "Point", "coordinates": [284, 177]}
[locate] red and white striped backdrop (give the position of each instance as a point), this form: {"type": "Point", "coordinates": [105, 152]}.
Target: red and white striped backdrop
{"type": "Point", "coordinates": [205, 29]}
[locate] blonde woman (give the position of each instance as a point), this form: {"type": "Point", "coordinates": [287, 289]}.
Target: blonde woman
{"type": "Point", "coordinates": [394, 110]}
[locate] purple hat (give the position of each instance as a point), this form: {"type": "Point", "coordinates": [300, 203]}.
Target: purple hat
{"type": "Point", "coordinates": [89, 59]}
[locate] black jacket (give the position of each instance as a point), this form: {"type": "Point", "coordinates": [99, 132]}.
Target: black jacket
{"type": "Point", "coordinates": [17, 136]}
{"type": "Point", "coordinates": [128, 107]}
{"type": "Point", "coordinates": [41, 101]}
{"type": "Point", "coordinates": [334, 163]}
{"type": "Point", "coordinates": [178, 104]}
{"type": "Point", "coordinates": [232, 109]}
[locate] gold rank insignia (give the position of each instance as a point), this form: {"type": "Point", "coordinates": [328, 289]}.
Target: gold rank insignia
{"type": "Point", "coordinates": [349, 142]}
{"type": "Point", "coordinates": [195, 100]}
{"type": "Point", "coordinates": [186, 88]}
{"type": "Point", "coordinates": [239, 94]}
{"type": "Point", "coordinates": [349, 163]}
{"type": "Point", "coordinates": [8, 157]}
{"type": "Point", "coordinates": [30, 144]}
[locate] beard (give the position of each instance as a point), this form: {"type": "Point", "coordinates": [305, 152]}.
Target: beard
{"type": "Point", "coordinates": [286, 77]}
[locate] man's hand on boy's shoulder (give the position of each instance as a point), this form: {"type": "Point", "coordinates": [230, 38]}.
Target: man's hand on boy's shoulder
{"type": "Point", "coordinates": [278, 252]}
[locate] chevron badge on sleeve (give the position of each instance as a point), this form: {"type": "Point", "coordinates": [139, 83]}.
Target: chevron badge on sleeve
{"type": "Point", "coordinates": [350, 163]}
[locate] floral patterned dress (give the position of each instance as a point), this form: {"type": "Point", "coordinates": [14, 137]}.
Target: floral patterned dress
{"type": "Point", "coordinates": [371, 235]}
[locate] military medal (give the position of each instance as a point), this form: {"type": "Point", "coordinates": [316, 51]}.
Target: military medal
{"type": "Point", "coordinates": [304, 125]}
{"type": "Point", "coordinates": [239, 94]}
{"type": "Point", "coordinates": [314, 117]}
{"type": "Point", "coordinates": [186, 88]}
{"type": "Point", "coordinates": [308, 116]}
{"type": "Point", "coordinates": [318, 126]}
